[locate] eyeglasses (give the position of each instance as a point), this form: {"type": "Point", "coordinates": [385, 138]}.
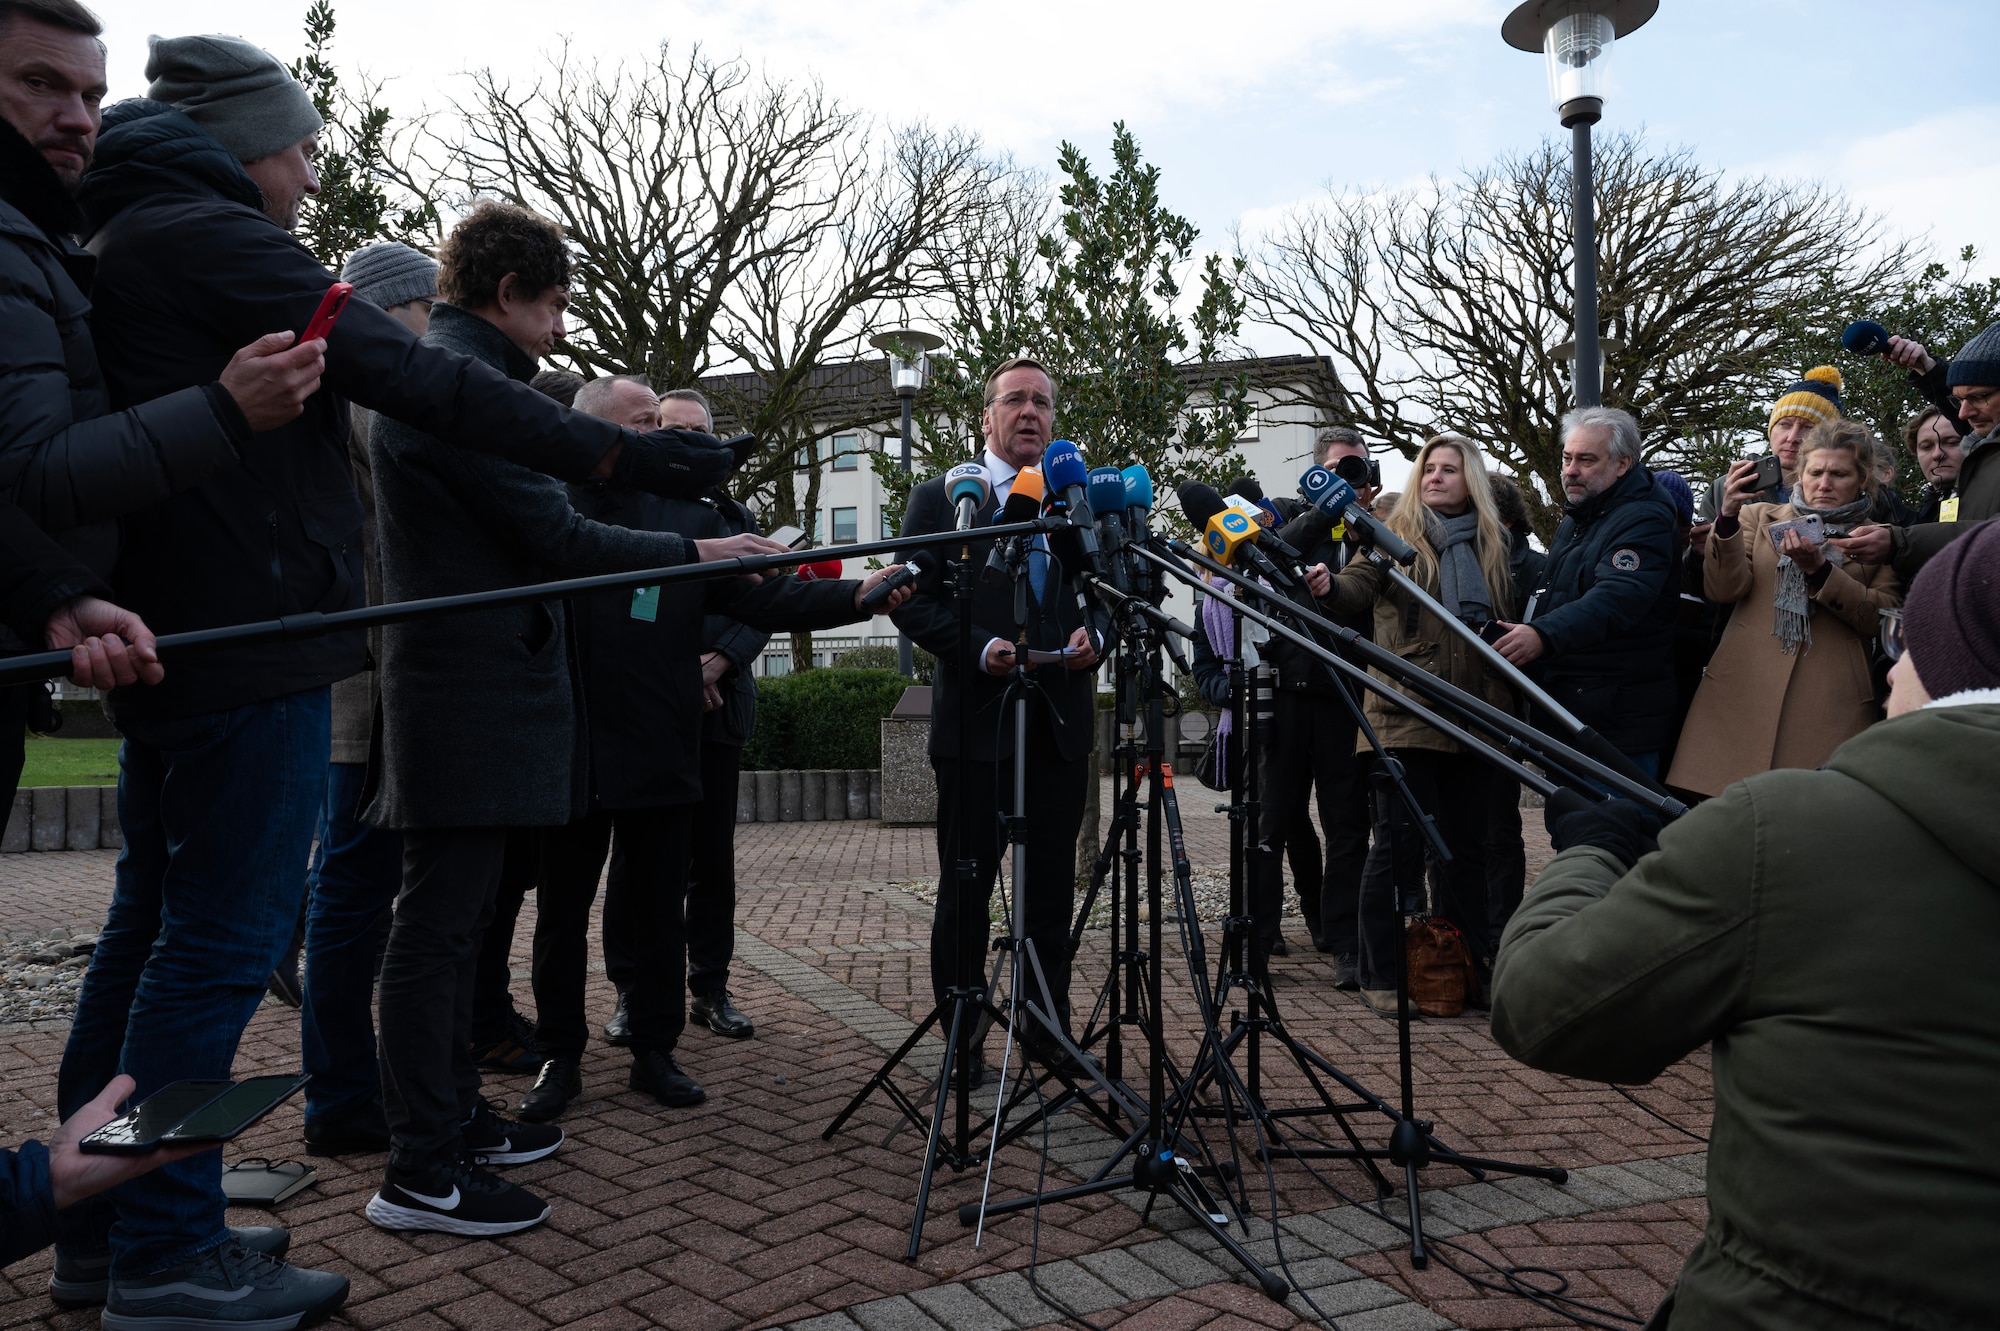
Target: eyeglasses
{"type": "Point", "coordinates": [1016, 400]}
{"type": "Point", "coordinates": [1978, 398]}
{"type": "Point", "coordinates": [1892, 634]}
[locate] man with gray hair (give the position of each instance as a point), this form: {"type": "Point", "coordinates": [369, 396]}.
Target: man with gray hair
{"type": "Point", "coordinates": [1602, 626]}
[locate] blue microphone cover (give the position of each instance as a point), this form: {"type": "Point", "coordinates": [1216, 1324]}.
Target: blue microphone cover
{"type": "Point", "coordinates": [1107, 490]}
{"type": "Point", "coordinates": [1063, 466]}
{"type": "Point", "coordinates": [968, 479]}
{"type": "Point", "coordinates": [1865, 337]}
{"type": "Point", "coordinates": [1138, 487]}
{"type": "Point", "coordinates": [1326, 491]}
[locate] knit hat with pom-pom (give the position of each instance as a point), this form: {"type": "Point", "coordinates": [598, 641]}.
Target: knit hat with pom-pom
{"type": "Point", "coordinates": [1816, 396]}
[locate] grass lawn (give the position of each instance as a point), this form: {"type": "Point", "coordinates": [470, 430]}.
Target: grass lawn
{"type": "Point", "coordinates": [70, 762]}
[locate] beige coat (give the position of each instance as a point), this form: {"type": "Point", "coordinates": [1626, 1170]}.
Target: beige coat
{"type": "Point", "coordinates": [1415, 635]}
{"type": "Point", "coordinates": [1757, 708]}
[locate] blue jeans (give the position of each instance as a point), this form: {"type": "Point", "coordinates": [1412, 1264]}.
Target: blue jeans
{"type": "Point", "coordinates": [356, 871]}
{"type": "Point", "coordinates": [218, 813]}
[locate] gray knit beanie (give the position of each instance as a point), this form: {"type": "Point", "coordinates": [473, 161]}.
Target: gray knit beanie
{"type": "Point", "coordinates": [1977, 364]}
{"type": "Point", "coordinates": [240, 94]}
{"type": "Point", "coordinates": [389, 274]}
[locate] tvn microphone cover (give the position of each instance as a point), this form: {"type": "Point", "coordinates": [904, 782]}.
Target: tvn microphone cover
{"type": "Point", "coordinates": [968, 479]}
{"type": "Point", "coordinates": [1226, 531]}
{"type": "Point", "coordinates": [1865, 337]}
{"type": "Point", "coordinates": [1106, 491]}
{"type": "Point", "coordinates": [1064, 466]}
{"type": "Point", "coordinates": [1138, 488]}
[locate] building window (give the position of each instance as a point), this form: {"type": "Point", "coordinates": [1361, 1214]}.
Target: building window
{"type": "Point", "coordinates": [819, 527]}
{"type": "Point", "coordinates": [844, 526]}
{"type": "Point", "coordinates": [846, 452]}
{"type": "Point", "coordinates": [1252, 427]}
{"type": "Point", "coordinates": [888, 527]}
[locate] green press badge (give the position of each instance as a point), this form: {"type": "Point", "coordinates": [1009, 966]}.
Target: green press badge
{"type": "Point", "coordinates": [646, 603]}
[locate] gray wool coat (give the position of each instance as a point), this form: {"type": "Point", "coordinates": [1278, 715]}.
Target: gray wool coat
{"type": "Point", "coordinates": [478, 724]}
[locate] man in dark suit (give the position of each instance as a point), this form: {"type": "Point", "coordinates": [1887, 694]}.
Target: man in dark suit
{"type": "Point", "coordinates": [1017, 424]}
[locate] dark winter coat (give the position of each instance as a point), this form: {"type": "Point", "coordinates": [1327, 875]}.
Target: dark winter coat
{"type": "Point", "coordinates": [1066, 700]}
{"type": "Point", "coordinates": [1978, 499]}
{"type": "Point", "coordinates": [732, 723]}
{"type": "Point", "coordinates": [1606, 613]}
{"type": "Point", "coordinates": [189, 271]}
{"type": "Point", "coordinates": [642, 678]}
{"type": "Point", "coordinates": [37, 577]}
{"type": "Point", "coordinates": [27, 1202]}
{"type": "Point", "coordinates": [71, 463]}
{"type": "Point", "coordinates": [1829, 934]}
{"type": "Point", "coordinates": [1297, 668]}
{"type": "Point", "coordinates": [479, 717]}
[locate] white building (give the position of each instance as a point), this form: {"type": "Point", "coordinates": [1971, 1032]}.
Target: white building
{"type": "Point", "coordinates": [1278, 446]}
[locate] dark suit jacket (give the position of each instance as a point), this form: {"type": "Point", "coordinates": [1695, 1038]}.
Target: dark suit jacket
{"type": "Point", "coordinates": [1065, 701]}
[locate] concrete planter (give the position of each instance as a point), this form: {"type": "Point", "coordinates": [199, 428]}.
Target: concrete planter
{"type": "Point", "coordinates": [63, 818]}
{"type": "Point", "coordinates": [793, 796]}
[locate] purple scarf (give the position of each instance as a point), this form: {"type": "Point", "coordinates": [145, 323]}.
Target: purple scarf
{"type": "Point", "coordinates": [1218, 621]}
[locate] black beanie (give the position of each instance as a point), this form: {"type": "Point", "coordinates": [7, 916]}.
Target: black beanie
{"type": "Point", "coordinates": [1951, 619]}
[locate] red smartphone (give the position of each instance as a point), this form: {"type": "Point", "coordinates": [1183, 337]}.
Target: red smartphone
{"type": "Point", "coordinates": [330, 306]}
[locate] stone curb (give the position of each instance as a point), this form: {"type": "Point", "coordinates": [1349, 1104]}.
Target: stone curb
{"type": "Point", "coordinates": [63, 818]}
{"type": "Point", "coordinates": [820, 795]}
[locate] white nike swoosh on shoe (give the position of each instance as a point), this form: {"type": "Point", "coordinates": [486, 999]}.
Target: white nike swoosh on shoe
{"type": "Point", "coordinates": [444, 1203]}
{"type": "Point", "coordinates": [186, 1287]}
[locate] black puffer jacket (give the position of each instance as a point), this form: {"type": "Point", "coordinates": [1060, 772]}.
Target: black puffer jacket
{"type": "Point", "coordinates": [37, 576]}
{"type": "Point", "coordinates": [190, 270]}
{"type": "Point", "coordinates": [70, 462]}
{"type": "Point", "coordinates": [1607, 613]}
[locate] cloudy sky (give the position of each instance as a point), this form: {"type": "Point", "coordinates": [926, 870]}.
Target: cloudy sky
{"type": "Point", "coordinates": [1249, 105]}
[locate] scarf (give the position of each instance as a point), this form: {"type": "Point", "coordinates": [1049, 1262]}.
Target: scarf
{"type": "Point", "coordinates": [1461, 582]}
{"type": "Point", "coordinates": [1219, 623]}
{"type": "Point", "coordinates": [1791, 619]}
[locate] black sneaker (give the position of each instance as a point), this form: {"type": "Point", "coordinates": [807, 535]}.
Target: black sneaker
{"type": "Point", "coordinates": [659, 1076]}
{"type": "Point", "coordinates": [1346, 972]}
{"type": "Point", "coordinates": [618, 1030]}
{"type": "Point", "coordinates": [493, 1140]}
{"type": "Point", "coordinates": [721, 1016]}
{"type": "Point", "coordinates": [558, 1083]}
{"type": "Point", "coordinates": [226, 1286]}
{"type": "Point", "coordinates": [453, 1197]}
{"type": "Point", "coordinates": [82, 1280]}
{"type": "Point", "coordinates": [516, 1051]}
{"type": "Point", "coordinates": [363, 1132]}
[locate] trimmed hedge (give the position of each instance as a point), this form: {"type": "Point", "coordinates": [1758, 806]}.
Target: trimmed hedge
{"type": "Point", "coordinates": [821, 719]}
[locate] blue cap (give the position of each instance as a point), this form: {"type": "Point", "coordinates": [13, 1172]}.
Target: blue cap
{"type": "Point", "coordinates": [1107, 490]}
{"type": "Point", "coordinates": [1063, 466]}
{"type": "Point", "coordinates": [1138, 487]}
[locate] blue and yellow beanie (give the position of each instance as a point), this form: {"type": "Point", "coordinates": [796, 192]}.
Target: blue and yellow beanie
{"type": "Point", "coordinates": [1817, 396]}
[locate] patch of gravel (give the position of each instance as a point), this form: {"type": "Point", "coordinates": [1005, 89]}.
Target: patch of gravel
{"type": "Point", "coordinates": [40, 975]}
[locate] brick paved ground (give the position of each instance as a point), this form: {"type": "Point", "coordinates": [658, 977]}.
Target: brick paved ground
{"type": "Point", "coordinates": [737, 1214]}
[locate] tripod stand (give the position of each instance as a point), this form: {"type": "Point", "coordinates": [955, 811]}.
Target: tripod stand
{"type": "Point", "coordinates": [1158, 1169]}
{"type": "Point", "coordinates": [1412, 1143]}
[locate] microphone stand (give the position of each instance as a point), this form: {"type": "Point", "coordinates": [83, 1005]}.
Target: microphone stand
{"type": "Point", "coordinates": [27, 667]}
{"type": "Point", "coordinates": [1413, 1144]}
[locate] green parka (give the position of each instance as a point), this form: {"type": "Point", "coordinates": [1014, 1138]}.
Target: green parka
{"type": "Point", "coordinates": [1835, 934]}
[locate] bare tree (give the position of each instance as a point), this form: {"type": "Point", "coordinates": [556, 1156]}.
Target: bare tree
{"type": "Point", "coordinates": [1443, 308]}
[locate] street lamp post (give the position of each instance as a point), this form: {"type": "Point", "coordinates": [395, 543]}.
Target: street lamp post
{"type": "Point", "coordinates": [1576, 36]}
{"type": "Point", "coordinates": [908, 350]}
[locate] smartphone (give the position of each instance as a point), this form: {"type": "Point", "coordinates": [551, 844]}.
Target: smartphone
{"type": "Point", "coordinates": [186, 1112]}
{"type": "Point", "coordinates": [789, 537]}
{"type": "Point", "coordinates": [236, 1108]}
{"type": "Point", "coordinates": [140, 1128]}
{"type": "Point", "coordinates": [1770, 472]}
{"type": "Point", "coordinates": [330, 306]}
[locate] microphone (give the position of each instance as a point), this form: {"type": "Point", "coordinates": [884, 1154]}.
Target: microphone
{"type": "Point", "coordinates": [1069, 487]}
{"type": "Point", "coordinates": [1138, 500]}
{"type": "Point", "coordinates": [920, 563]}
{"type": "Point", "coordinates": [1106, 497]}
{"type": "Point", "coordinates": [826, 570]}
{"type": "Point", "coordinates": [1331, 495]}
{"type": "Point", "coordinates": [1227, 530]}
{"type": "Point", "coordinates": [1024, 504]}
{"type": "Point", "coordinates": [968, 486]}
{"type": "Point", "coordinates": [1865, 337]}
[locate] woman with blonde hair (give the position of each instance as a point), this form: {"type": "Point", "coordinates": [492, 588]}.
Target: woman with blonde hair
{"type": "Point", "coordinates": [1447, 513]}
{"type": "Point", "coordinates": [1790, 681]}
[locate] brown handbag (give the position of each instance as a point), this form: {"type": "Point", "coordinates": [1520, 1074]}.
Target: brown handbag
{"type": "Point", "coordinates": [1439, 964]}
